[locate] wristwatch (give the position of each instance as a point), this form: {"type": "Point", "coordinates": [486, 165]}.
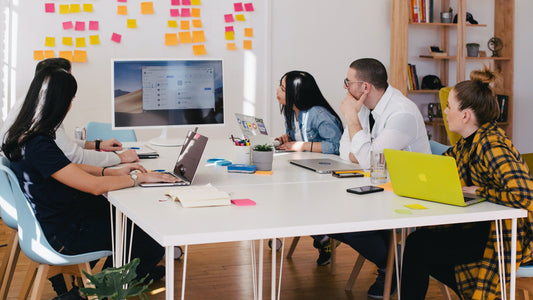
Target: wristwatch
{"type": "Point", "coordinates": [134, 177]}
{"type": "Point", "coordinates": [97, 144]}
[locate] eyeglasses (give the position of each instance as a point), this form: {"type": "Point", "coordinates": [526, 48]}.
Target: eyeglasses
{"type": "Point", "coordinates": [347, 82]}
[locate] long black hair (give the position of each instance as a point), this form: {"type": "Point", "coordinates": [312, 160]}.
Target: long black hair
{"type": "Point", "coordinates": [301, 91]}
{"type": "Point", "coordinates": [45, 106]}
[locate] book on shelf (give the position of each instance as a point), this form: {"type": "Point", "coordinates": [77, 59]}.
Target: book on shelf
{"type": "Point", "coordinates": [413, 78]}
{"type": "Point", "coordinates": [199, 196]}
{"type": "Point", "coordinates": [421, 11]}
{"type": "Point", "coordinates": [503, 102]}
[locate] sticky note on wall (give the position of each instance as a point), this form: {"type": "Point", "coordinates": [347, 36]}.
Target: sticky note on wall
{"type": "Point", "coordinates": [50, 41]}
{"type": "Point", "coordinates": [75, 8]}
{"type": "Point", "coordinates": [185, 37]}
{"type": "Point", "coordinates": [49, 54]}
{"type": "Point", "coordinates": [248, 32]}
{"type": "Point", "coordinates": [231, 46]}
{"type": "Point", "coordinates": [175, 12]}
{"type": "Point", "coordinates": [115, 37]}
{"type": "Point", "coordinates": [49, 7]}
{"type": "Point", "coordinates": [173, 23]}
{"type": "Point", "coordinates": [185, 25]}
{"type": "Point", "coordinates": [66, 55]}
{"type": "Point", "coordinates": [80, 26]}
{"type": "Point", "coordinates": [195, 12]}
{"type": "Point", "coordinates": [197, 23]}
{"type": "Point", "coordinates": [88, 7]}
{"type": "Point", "coordinates": [64, 8]}
{"type": "Point", "coordinates": [247, 44]}
{"type": "Point", "coordinates": [68, 25]}
{"type": "Point", "coordinates": [196, 2]}
{"type": "Point", "coordinates": [79, 56]}
{"type": "Point", "coordinates": [228, 18]}
{"type": "Point", "coordinates": [185, 12]}
{"type": "Point", "coordinates": [249, 7]}
{"type": "Point", "coordinates": [198, 36]}
{"type": "Point", "coordinates": [93, 25]}
{"type": "Point", "coordinates": [94, 40]}
{"type": "Point", "coordinates": [199, 50]}
{"type": "Point", "coordinates": [171, 39]}
{"type": "Point", "coordinates": [38, 55]}
{"type": "Point", "coordinates": [80, 42]}
{"type": "Point", "coordinates": [67, 41]}
{"type": "Point", "coordinates": [147, 8]}
{"type": "Point", "coordinates": [175, 2]}
{"type": "Point", "coordinates": [131, 23]}
{"type": "Point", "coordinates": [238, 6]}
{"type": "Point", "coordinates": [230, 35]}
{"type": "Point", "coordinates": [122, 10]}
{"type": "Point", "coordinates": [240, 17]}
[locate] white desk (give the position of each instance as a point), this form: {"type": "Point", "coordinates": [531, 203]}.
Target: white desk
{"type": "Point", "coordinates": [308, 204]}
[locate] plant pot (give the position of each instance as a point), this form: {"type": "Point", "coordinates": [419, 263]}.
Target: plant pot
{"type": "Point", "coordinates": [263, 160]}
{"type": "Point", "coordinates": [472, 50]}
{"type": "Point", "coordinates": [446, 17]}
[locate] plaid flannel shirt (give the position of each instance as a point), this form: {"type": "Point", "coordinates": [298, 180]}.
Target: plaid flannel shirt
{"type": "Point", "coordinates": [503, 177]}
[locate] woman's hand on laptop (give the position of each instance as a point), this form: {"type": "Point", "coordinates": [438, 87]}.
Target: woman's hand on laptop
{"type": "Point", "coordinates": [156, 177]}
{"type": "Point", "coordinates": [470, 189]}
{"type": "Point", "coordinates": [128, 156]}
{"type": "Point", "coordinates": [292, 146]}
{"type": "Point", "coordinates": [283, 139]}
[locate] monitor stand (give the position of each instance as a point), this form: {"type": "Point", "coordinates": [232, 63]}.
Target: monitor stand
{"type": "Point", "coordinates": [166, 141]}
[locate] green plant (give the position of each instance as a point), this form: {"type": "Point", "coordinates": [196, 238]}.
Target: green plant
{"type": "Point", "coordinates": [264, 147]}
{"type": "Point", "coordinates": [472, 45]}
{"type": "Point", "coordinates": [117, 283]}
{"type": "Point", "coordinates": [450, 10]}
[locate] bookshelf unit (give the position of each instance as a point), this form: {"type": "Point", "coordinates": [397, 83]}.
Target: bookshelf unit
{"type": "Point", "coordinates": [503, 65]}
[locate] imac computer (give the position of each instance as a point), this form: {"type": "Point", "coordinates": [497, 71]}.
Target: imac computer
{"type": "Point", "coordinates": [163, 93]}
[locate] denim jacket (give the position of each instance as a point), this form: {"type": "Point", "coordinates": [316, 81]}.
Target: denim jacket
{"type": "Point", "coordinates": [317, 124]}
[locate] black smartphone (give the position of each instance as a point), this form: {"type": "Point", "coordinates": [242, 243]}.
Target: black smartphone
{"type": "Point", "coordinates": [367, 189]}
{"type": "Point", "coordinates": [346, 175]}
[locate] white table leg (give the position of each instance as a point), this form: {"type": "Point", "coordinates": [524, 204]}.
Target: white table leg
{"type": "Point", "coordinates": [260, 272]}
{"type": "Point", "coordinates": [513, 259]}
{"type": "Point", "coordinates": [273, 285]}
{"type": "Point", "coordinates": [169, 272]}
{"type": "Point", "coordinates": [119, 247]}
{"type": "Point", "coordinates": [254, 269]}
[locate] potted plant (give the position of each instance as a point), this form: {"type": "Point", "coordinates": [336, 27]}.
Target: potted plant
{"type": "Point", "coordinates": [472, 49]}
{"type": "Point", "coordinates": [446, 16]}
{"type": "Point", "coordinates": [262, 156]}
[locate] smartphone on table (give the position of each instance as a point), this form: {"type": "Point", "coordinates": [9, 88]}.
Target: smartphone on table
{"type": "Point", "coordinates": [367, 189]}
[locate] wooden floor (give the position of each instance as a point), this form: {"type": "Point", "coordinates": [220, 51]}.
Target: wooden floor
{"type": "Point", "coordinates": [223, 271]}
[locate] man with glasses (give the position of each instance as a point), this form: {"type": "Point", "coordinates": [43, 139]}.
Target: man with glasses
{"type": "Point", "coordinates": [378, 116]}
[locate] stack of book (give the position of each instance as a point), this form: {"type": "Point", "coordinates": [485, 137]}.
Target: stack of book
{"type": "Point", "coordinates": [421, 11]}
{"type": "Point", "coordinates": [413, 78]}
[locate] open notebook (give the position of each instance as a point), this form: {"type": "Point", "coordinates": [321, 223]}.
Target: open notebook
{"type": "Point", "coordinates": [198, 196]}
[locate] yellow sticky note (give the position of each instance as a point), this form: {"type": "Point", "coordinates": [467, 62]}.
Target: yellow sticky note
{"type": "Point", "coordinates": [66, 55]}
{"type": "Point", "coordinates": [248, 32]}
{"type": "Point", "coordinates": [231, 46]}
{"type": "Point", "coordinates": [75, 8]}
{"type": "Point", "coordinates": [185, 25]}
{"type": "Point", "coordinates": [80, 56]}
{"type": "Point", "coordinates": [197, 23]}
{"type": "Point", "coordinates": [172, 23]}
{"type": "Point", "coordinates": [147, 8]}
{"type": "Point", "coordinates": [199, 50]}
{"type": "Point", "coordinates": [247, 44]}
{"type": "Point", "coordinates": [80, 42]}
{"type": "Point", "coordinates": [50, 41]}
{"type": "Point", "coordinates": [195, 12]}
{"type": "Point", "coordinates": [240, 17]}
{"type": "Point", "coordinates": [264, 173]}
{"type": "Point", "coordinates": [195, 2]}
{"type": "Point", "coordinates": [132, 23]}
{"type": "Point", "coordinates": [49, 54]}
{"type": "Point", "coordinates": [67, 41]}
{"type": "Point", "coordinates": [415, 206]}
{"type": "Point", "coordinates": [198, 36]}
{"type": "Point", "coordinates": [230, 35]}
{"type": "Point", "coordinates": [386, 186]}
{"type": "Point", "coordinates": [88, 7]}
{"type": "Point", "coordinates": [185, 37]}
{"type": "Point", "coordinates": [38, 55]}
{"type": "Point", "coordinates": [171, 39]}
{"type": "Point", "coordinates": [122, 10]}
{"type": "Point", "coordinates": [64, 8]}
{"type": "Point", "coordinates": [94, 39]}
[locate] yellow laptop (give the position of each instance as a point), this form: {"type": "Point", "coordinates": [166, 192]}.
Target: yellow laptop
{"type": "Point", "coordinates": [427, 177]}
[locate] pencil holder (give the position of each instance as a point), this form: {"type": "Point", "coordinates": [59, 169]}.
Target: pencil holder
{"type": "Point", "coordinates": [241, 155]}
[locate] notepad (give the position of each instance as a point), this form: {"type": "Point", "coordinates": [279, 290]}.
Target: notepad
{"type": "Point", "coordinates": [199, 196]}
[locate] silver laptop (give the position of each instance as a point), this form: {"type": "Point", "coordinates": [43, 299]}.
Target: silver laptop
{"type": "Point", "coordinates": [253, 129]}
{"type": "Point", "coordinates": [325, 165]}
{"type": "Point", "coordinates": [187, 163]}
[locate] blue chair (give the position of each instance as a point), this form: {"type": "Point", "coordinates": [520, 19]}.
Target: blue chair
{"type": "Point", "coordinates": [437, 148]}
{"type": "Point", "coordinates": [104, 131]}
{"type": "Point", "coordinates": [34, 244]}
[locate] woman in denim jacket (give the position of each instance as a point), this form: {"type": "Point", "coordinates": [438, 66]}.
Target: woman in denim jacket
{"type": "Point", "coordinates": [311, 123]}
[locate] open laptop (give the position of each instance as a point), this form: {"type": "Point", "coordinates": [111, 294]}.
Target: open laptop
{"type": "Point", "coordinates": [427, 177]}
{"type": "Point", "coordinates": [188, 161]}
{"type": "Point", "coordinates": [324, 165]}
{"type": "Point", "coordinates": [253, 129]}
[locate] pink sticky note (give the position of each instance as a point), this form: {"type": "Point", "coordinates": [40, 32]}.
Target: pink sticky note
{"type": "Point", "coordinates": [122, 0]}
{"type": "Point", "coordinates": [243, 202]}
{"type": "Point", "coordinates": [49, 7]}
{"type": "Point", "coordinates": [185, 12]}
{"type": "Point", "coordinates": [68, 25]}
{"type": "Point", "coordinates": [80, 26]}
{"type": "Point", "coordinates": [249, 6]}
{"type": "Point", "coordinates": [229, 18]}
{"type": "Point", "coordinates": [175, 12]}
{"type": "Point", "coordinates": [93, 25]}
{"type": "Point", "coordinates": [175, 2]}
{"type": "Point", "coordinates": [116, 37]}
{"type": "Point", "coordinates": [229, 28]}
{"type": "Point", "coordinates": [186, 2]}
{"type": "Point", "coordinates": [238, 6]}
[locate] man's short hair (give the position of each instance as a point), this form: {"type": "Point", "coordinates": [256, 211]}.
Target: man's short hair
{"type": "Point", "coordinates": [57, 62]}
{"type": "Point", "coordinates": [371, 70]}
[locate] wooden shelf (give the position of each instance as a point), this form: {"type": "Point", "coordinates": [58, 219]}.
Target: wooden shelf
{"type": "Point", "coordinates": [446, 24]}
{"type": "Point", "coordinates": [467, 58]}
{"type": "Point", "coordinates": [423, 91]}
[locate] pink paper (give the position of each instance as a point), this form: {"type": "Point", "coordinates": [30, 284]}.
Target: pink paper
{"type": "Point", "coordinates": [243, 202]}
{"type": "Point", "coordinates": [80, 26]}
{"type": "Point", "coordinates": [229, 18]}
{"type": "Point", "coordinates": [68, 25]}
{"type": "Point", "coordinates": [229, 28]}
{"type": "Point", "coordinates": [175, 12]}
{"type": "Point", "coordinates": [175, 2]}
{"type": "Point", "coordinates": [49, 7]}
{"type": "Point", "coordinates": [122, 0]}
{"type": "Point", "coordinates": [249, 6]}
{"type": "Point", "coordinates": [238, 6]}
{"type": "Point", "coordinates": [116, 37]}
{"type": "Point", "coordinates": [186, 2]}
{"type": "Point", "coordinates": [185, 12]}
{"type": "Point", "coordinates": [93, 25]}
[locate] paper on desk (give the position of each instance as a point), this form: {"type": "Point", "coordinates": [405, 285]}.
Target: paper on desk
{"type": "Point", "coordinates": [198, 196]}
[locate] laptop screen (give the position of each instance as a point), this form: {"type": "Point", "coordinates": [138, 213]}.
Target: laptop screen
{"type": "Point", "coordinates": [190, 155]}
{"type": "Point", "coordinates": [253, 129]}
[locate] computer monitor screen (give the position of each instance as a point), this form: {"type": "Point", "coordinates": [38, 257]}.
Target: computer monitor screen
{"type": "Point", "coordinates": [170, 92]}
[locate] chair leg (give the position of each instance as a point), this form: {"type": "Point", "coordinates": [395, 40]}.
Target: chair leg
{"type": "Point", "coordinates": [445, 291]}
{"type": "Point", "coordinates": [38, 284]}
{"type": "Point", "coordinates": [333, 244]}
{"type": "Point", "coordinates": [28, 281]}
{"type": "Point", "coordinates": [9, 263]}
{"type": "Point", "coordinates": [355, 272]}
{"type": "Point", "coordinates": [293, 246]}
{"type": "Point", "coordinates": [390, 267]}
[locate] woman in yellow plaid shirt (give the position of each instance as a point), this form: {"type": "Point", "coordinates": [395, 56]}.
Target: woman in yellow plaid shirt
{"type": "Point", "coordinates": [464, 256]}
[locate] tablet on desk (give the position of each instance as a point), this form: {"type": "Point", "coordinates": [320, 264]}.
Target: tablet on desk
{"type": "Point", "coordinates": [324, 165]}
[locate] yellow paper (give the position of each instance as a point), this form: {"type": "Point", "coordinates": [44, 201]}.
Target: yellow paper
{"type": "Point", "coordinates": [49, 54]}
{"type": "Point", "coordinates": [132, 23]}
{"type": "Point", "coordinates": [195, 12]}
{"type": "Point", "coordinates": [38, 55]}
{"type": "Point", "coordinates": [88, 7]}
{"type": "Point", "coordinates": [64, 8]}
{"type": "Point", "coordinates": [75, 8]}
{"type": "Point", "coordinates": [80, 42]}
{"type": "Point", "coordinates": [185, 37]}
{"type": "Point", "coordinates": [94, 40]}
{"type": "Point", "coordinates": [67, 41]}
{"type": "Point", "coordinates": [247, 44]}
{"type": "Point", "coordinates": [66, 55]}
{"type": "Point", "coordinates": [185, 25]}
{"type": "Point", "coordinates": [230, 35]}
{"type": "Point", "coordinates": [147, 8]}
{"type": "Point", "coordinates": [199, 50]}
{"type": "Point", "coordinates": [231, 46]}
{"type": "Point", "coordinates": [248, 32]}
{"type": "Point", "coordinates": [386, 186]}
{"type": "Point", "coordinates": [122, 10]}
{"type": "Point", "coordinates": [172, 23]}
{"type": "Point", "coordinates": [264, 172]}
{"type": "Point", "coordinates": [50, 41]}
{"type": "Point", "coordinates": [240, 17]}
{"type": "Point", "coordinates": [171, 39]}
{"type": "Point", "coordinates": [197, 23]}
{"type": "Point", "coordinates": [198, 36]}
{"type": "Point", "coordinates": [80, 56]}
{"type": "Point", "coordinates": [195, 2]}
{"type": "Point", "coordinates": [415, 206]}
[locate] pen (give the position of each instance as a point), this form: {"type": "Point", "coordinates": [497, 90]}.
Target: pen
{"type": "Point", "coordinates": [134, 148]}
{"type": "Point", "coordinates": [350, 171]}
{"type": "Point", "coordinates": [158, 170]}
{"type": "Point", "coordinates": [232, 138]}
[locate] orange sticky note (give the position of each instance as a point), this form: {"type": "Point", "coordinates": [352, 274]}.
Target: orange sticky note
{"type": "Point", "coordinates": [49, 54]}
{"type": "Point", "coordinates": [67, 41]}
{"type": "Point", "coordinates": [131, 23]}
{"type": "Point", "coordinates": [80, 56]}
{"type": "Point", "coordinates": [197, 23]}
{"type": "Point", "coordinates": [50, 41]}
{"type": "Point", "coordinates": [66, 55]}
{"type": "Point", "coordinates": [80, 42]}
{"type": "Point", "coordinates": [171, 39]}
{"type": "Point", "coordinates": [195, 12]}
{"type": "Point", "coordinates": [88, 7]}
{"type": "Point", "coordinates": [247, 44]}
{"type": "Point", "coordinates": [231, 46]}
{"type": "Point", "coordinates": [198, 36]}
{"type": "Point", "coordinates": [147, 8]}
{"type": "Point", "coordinates": [94, 39]}
{"type": "Point", "coordinates": [75, 8]}
{"type": "Point", "coordinates": [64, 8]}
{"type": "Point", "coordinates": [248, 32]}
{"type": "Point", "coordinates": [38, 55]}
{"type": "Point", "coordinates": [240, 17]}
{"type": "Point", "coordinates": [172, 23]}
{"type": "Point", "coordinates": [122, 10]}
{"type": "Point", "coordinates": [185, 37]}
{"type": "Point", "coordinates": [230, 35]}
{"type": "Point", "coordinates": [199, 50]}
{"type": "Point", "coordinates": [185, 25]}
{"type": "Point", "coordinates": [195, 2]}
